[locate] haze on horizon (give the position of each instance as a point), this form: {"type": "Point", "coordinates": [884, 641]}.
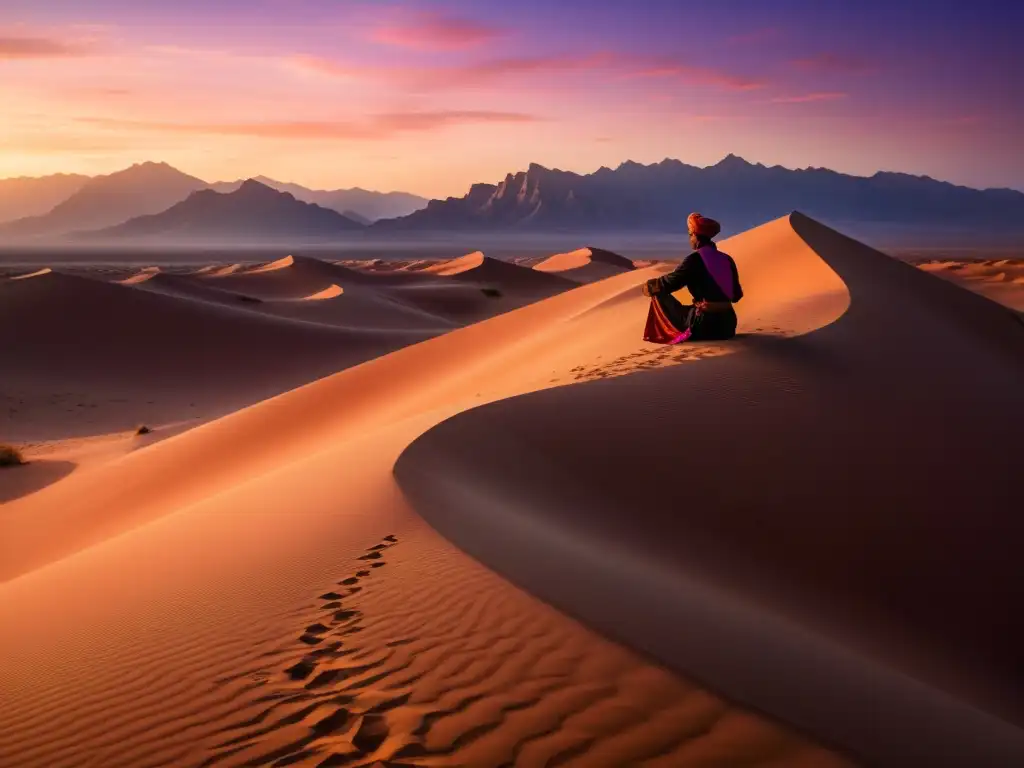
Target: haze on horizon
{"type": "Point", "coordinates": [432, 97]}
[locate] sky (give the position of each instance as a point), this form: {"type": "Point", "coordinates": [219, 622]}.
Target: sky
{"type": "Point", "coordinates": [431, 97]}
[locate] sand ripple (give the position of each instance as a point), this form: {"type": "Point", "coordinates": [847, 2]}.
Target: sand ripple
{"type": "Point", "coordinates": [461, 670]}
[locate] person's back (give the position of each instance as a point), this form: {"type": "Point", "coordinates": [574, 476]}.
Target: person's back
{"type": "Point", "coordinates": [712, 279]}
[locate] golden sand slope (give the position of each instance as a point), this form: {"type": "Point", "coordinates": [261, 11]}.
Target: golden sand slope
{"type": "Point", "coordinates": [999, 279]}
{"type": "Point", "coordinates": [586, 265]}
{"type": "Point", "coordinates": [184, 575]}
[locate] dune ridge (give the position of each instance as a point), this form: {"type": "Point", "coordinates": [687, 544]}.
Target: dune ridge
{"type": "Point", "coordinates": [243, 577]}
{"type": "Point", "coordinates": [585, 264]}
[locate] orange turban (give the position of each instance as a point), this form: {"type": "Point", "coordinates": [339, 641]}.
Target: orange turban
{"type": "Point", "coordinates": [699, 225]}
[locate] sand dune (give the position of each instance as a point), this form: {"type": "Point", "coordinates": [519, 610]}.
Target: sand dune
{"type": "Point", "coordinates": [83, 356]}
{"type": "Point", "coordinates": [291, 277]}
{"type": "Point", "coordinates": [280, 283]}
{"type": "Point", "coordinates": [483, 270]}
{"type": "Point", "coordinates": [586, 265]}
{"type": "Point", "coordinates": [1001, 280]}
{"type": "Point", "coordinates": [258, 626]}
{"type": "Point", "coordinates": [860, 542]}
{"type": "Point", "coordinates": [153, 279]}
{"type": "Point", "coordinates": [465, 290]}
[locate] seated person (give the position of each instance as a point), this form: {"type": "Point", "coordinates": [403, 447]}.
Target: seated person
{"type": "Point", "coordinates": [714, 284]}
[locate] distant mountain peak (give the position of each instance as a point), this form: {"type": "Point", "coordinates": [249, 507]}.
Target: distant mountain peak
{"type": "Point", "coordinates": [148, 166]}
{"type": "Point", "coordinates": [252, 210]}
{"type": "Point", "coordinates": [733, 161]}
{"type": "Point", "coordinates": [252, 186]}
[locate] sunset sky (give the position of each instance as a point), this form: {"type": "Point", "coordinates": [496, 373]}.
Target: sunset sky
{"type": "Point", "coordinates": [430, 97]}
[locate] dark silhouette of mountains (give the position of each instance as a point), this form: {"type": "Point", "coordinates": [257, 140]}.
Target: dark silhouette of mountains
{"type": "Point", "coordinates": [102, 201]}
{"type": "Point", "coordinates": [54, 206]}
{"type": "Point", "coordinates": [366, 206]}
{"type": "Point", "coordinates": [28, 196]}
{"type": "Point", "coordinates": [253, 211]}
{"type": "Point", "coordinates": [740, 194]}
{"type": "Point", "coordinates": [630, 198]}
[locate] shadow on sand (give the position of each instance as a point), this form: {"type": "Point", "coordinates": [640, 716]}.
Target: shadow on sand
{"type": "Point", "coordinates": [16, 482]}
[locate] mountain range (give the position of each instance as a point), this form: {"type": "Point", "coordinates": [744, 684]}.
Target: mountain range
{"type": "Point", "coordinates": [107, 200]}
{"type": "Point", "coordinates": [155, 200]}
{"type": "Point", "coordinates": [26, 196]}
{"type": "Point", "coordinates": [253, 210]}
{"type": "Point", "coordinates": [740, 194]}
{"type": "Point", "coordinates": [53, 206]}
{"type": "Point", "coordinates": [359, 204]}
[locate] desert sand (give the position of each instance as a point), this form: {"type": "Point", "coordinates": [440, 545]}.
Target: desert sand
{"type": "Point", "coordinates": [1001, 280]}
{"type": "Point", "coordinates": [262, 589]}
{"type": "Point", "coordinates": [585, 265]}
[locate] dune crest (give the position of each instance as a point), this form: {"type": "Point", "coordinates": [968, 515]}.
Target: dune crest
{"type": "Point", "coordinates": [147, 273]}
{"type": "Point", "coordinates": [457, 266]}
{"type": "Point", "coordinates": [37, 273]}
{"type": "Point", "coordinates": [273, 266]}
{"type": "Point", "coordinates": [332, 291]}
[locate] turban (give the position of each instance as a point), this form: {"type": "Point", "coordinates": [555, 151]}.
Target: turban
{"type": "Point", "coordinates": [699, 225]}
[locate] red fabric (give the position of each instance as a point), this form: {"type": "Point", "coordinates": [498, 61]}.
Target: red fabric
{"type": "Point", "coordinates": [701, 225]}
{"type": "Point", "coordinates": [658, 329]}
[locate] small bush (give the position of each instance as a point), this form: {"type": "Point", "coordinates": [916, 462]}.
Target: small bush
{"type": "Point", "coordinates": [143, 430]}
{"type": "Point", "coordinates": [494, 293]}
{"type": "Point", "coordinates": [10, 456]}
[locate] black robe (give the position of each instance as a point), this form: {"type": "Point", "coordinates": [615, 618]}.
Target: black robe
{"type": "Point", "coordinates": [692, 274]}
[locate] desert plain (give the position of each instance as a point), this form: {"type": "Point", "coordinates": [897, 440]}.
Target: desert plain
{"type": "Point", "coordinates": [454, 511]}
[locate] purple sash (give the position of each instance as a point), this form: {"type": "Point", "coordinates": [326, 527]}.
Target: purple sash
{"type": "Point", "coordinates": [719, 266]}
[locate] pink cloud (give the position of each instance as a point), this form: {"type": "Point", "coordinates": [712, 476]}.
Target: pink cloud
{"type": "Point", "coordinates": [488, 71]}
{"type": "Point", "coordinates": [434, 31]}
{"type": "Point", "coordinates": [36, 48]}
{"type": "Point", "coordinates": [379, 126]}
{"type": "Point", "coordinates": [808, 97]}
{"type": "Point", "coordinates": [835, 63]}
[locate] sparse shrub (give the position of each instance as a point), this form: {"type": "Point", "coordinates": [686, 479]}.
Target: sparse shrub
{"type": "Point", "coordinates": [10, 456]}
{"type": "Point", "coordinates": [494, 293]}
{"type": "Point", "coordinates": [143, 430]}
